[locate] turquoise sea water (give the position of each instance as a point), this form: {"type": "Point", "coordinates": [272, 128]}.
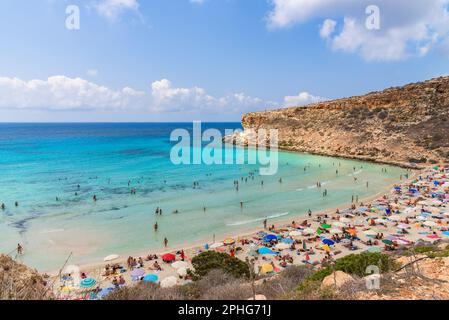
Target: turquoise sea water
{"type": "Point", "coordinates": [39, 162]}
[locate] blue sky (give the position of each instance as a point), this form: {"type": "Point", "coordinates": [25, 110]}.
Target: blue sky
{"type": "Point", "coordinates": [210, 60]}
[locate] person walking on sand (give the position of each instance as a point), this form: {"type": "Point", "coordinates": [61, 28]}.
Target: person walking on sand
{"type": "Point", "coordinates": [265, 224]}
{"type": "Point", "coordinates": [166, 242]}
{"type": "Point", "coordinates": [19, 249]}
{"type": "Point", "coordinates": [183, 255]}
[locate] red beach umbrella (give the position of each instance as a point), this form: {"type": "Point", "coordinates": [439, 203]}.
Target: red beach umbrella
{"type": "Point", "coordinates": [168, 257]}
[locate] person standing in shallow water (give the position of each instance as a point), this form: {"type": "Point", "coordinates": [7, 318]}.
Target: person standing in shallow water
{"type": "Point", "coordinates": [156, 226]}
{"type": "Point", "coordinates": [166, 242]}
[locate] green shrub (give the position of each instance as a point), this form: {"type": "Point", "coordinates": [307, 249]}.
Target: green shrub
{"type": "Point", "coordinates": [211, 260]}
{"type": "Point", "coordinates": [357, 263]}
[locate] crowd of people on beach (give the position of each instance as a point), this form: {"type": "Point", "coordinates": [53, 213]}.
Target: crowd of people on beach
{"type": "Point", "coordinates": [415, 210]}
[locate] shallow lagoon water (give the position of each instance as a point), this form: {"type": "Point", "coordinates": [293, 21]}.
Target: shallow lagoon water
{"type": "Point", "coordinates": [39, 162]}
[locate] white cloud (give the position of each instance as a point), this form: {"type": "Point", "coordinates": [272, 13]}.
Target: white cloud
{"type": "Point", "coordinates": [327, 28]}
{"type": "Point", "coordinates": [407, 28]}
{"type": "Point", "coordinates": [303, 98]}
{"type": "Point", "coordinates": [168, 98]}
{"type": "Point", "coordinates": [63, 93]}
{"type": "Point", "coordinates": [112, 9]}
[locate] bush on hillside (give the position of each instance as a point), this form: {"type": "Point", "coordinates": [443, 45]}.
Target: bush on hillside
{"type": "Point", "coordinates": [211, 260]}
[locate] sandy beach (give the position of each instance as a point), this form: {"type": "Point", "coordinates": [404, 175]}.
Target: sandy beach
{"type": "Point", "coordinates": [381, 222]}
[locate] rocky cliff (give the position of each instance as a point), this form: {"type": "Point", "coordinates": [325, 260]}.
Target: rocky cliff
{"type": "Point", "coordinates": [402, 125]}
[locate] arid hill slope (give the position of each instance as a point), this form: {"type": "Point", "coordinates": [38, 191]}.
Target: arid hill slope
{"type": "Point", "coordinates": [18, 282]}
{"type": "Point", "coordinates": [401, 125]}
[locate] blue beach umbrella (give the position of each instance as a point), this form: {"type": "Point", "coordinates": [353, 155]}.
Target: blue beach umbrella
{"type": "Point", "coordinates": [265, 250]}
{"type": "Point", "coordinates": [270, 237]}
{"type": "Point", "coordinates": [397, 188]}
{"type": "Point", "coordinates": [150, 278]}
{"type": "Point", "coordinates": [287, 240]}
{"type": "Point", "coordinates": [88, 283]}
{"type": "Point", "coordinates": [329, 242]}
{"type": "Point", "coordinates": [446, 233]}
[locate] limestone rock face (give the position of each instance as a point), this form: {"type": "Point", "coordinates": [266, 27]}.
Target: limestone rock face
{"type": "Point", "coordinates": [407, 125]}
{"type": "Point", "coordinates": [338, 279]}
{"type": "Point", "coordinates": [18, 282]}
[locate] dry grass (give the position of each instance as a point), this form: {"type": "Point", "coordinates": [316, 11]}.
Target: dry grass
{"type": "Point", "coordinates": [18, 282]}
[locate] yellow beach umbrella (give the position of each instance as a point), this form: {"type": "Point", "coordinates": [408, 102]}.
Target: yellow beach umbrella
{"type": "Point", "coordinates": [267, 268]}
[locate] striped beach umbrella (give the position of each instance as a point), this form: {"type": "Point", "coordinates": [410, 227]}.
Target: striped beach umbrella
{"type": "Point", "coordinates": [88, 283]}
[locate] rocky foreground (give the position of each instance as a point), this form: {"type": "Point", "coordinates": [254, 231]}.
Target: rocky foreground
{"type": "Point", "coordinates": [407, 126]}
{"type": "Point", "coordinates": [18, 282]}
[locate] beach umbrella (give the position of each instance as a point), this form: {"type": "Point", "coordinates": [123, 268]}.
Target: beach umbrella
{"type": "Point", "coordinates": [335, 231]}
{"type": "Point", "coordinates": [446, 233]}
{"type": "Point", "coordinates": [326, 248]}
{"type": "Point", "coordinates": [345, 220]}
{"type": "Point", "coordinates": [370, 233]}
{"type": "Point", "coordinates": [216, 245]}
{"type": "Point", "coordinates": [169, 282]}
{"type": "Point", "coordinates": [270, 237]}
{"type": "Point", "coordinates": [308, 231]}
{"type": "Point", "coordinates": [374, 249]}
{"type": "Point", "coordinates": [433, 236]}
{"type": "Point", "coordinates": [228, 241]}
{"type": "Point", "coordinates": [397, 188]}
{"type": "Point", "coordinates": [111, 257]}
{"type": "Point", "coordinates": [168, 257]}
{"type": "Point", "coordinates": [266, 250]}
{"type": "Point", "coordinates": [380, 220]}
{"type": "Point", "coordinates": [421, 218]}
{"type": "Point", "coordinates": [88, 283]}
{"type": "Point", "coordinates": [402, 226]}
{"type": "Point", "coordinates": [179, 264]}
{"type": "Point", "coordinates": [326, 226]}
{"type": "Point", "coordinates": [295, 233]}
{"type": "Point", "coordinates": [288, 240]}
{"type": "Point", "coordinates": [402, 241]}
{"type": "Point", "coordinates": [282, 246]}
{"type": "Point", "coordinates": [339, 224]}
{"type": "Point", "coordinates": [137, 273]}
{"type": "Point", "coordinates": [395, 218]}
{"type": "Point", "coordinates": [304, 245]}
{"type": "Point", "coordinates": [150, 278]}
{"type": "Point", "coordinates": [104, 292]}
{"type": "Point", "coordinates": [430, 223]}
{"type": "Point", "coordinates": [353, 232]}
{"type": "Point", "coordinates": [328, 242]}
{"type": "Point", "coordinates": [387, 242]}
{"type": "Point", "coordinates": [267, 268]}
{"type": "Point", "coordinates": [182, 272]}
